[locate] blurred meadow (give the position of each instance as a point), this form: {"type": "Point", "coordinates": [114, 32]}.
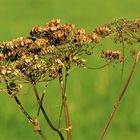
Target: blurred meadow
{"type": "Point", "coordinates": [91, 94]}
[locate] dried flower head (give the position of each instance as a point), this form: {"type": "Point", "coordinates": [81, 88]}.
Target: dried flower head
{"type": "Point", "coordinates": [56, 46]}
{"type": "Point", "coordinates": [110, 55]}
{"type": "Point", "coordinates": [95, 37]}
{"type": "Point", "coordinates": [80, 37]}
{"type": "Point", "coordinates": [55, 32]}
{"type": "Point", "coordinates": [103, 31]}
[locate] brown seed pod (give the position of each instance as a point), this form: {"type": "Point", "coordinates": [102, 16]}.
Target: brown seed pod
{"type": "Point", "coordinates": [122, 59]}
{"type": "Point", "coordinates": [1, 56]}
{"type": "Point", "coordinates": [103, 31]}
{"type": "Point", "coordinates": [110, 54]}
{"type": "Point", "coordinates": [53, 72]}
{"type": "Point", "coordinates": [95, 37]}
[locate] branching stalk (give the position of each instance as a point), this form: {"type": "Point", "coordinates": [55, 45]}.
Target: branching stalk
{"type": "Point", "coordinates": [25, 113]}
{"type": "Point", "coordinates": [39, 106]}
{"type": "Point", "coordinates": [44, 112]}
{"type": "Point", "coordinates": [29, 117]}
{"type": "Point", "coordinates": [116, 105]}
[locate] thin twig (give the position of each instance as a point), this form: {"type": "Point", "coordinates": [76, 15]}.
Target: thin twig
{"type": "Point", "coordinates": [44, 112]}
{"type": "Point", "coordinates": [42, 97]}
{"type": "Point", "coordinates": [66, 111]}
{"type": "Point", "coordinates": [19, 103]}
{"type": "Point", "coordinates": [23, 110]}
{"type": "Point", "coordinates": [119, 98]}
{"type": "Point", "coordinates": [29, 117]}
{"type": "Point", "coordinates": [91, 68]}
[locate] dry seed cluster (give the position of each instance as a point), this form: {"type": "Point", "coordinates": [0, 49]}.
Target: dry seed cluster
{"type": "Point", "coordinates": [55, 46]}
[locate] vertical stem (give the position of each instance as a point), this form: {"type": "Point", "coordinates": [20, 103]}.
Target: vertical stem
{"type": "Point", "coordinates": [61, 109]}
{"type": "Point", "coordinates": [116, 105]}
{"type": "Point", "coordinates": [65, 105]}
{"type": "Point", "coordinates": [123, 53]}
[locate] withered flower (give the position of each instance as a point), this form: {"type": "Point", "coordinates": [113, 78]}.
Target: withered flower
{"type": "Point", "coordinates": [56, 45]}
{"type": "Point", "coordinates": [80, 37]}
{"type": "Point", "coordinates": [53, 72]}
{"type": "Point", "coordinates": [126, 31]}
{"type": "Point", "coordinates": [95, 37]}
{"type": "Point", "coordinates": [122, 59]}
{"type": "Point", "coordinates": [110, 55]}
{"type": "Point", "coordinates": [12, 89]}
{"type": "Point", "coordinates": [32, 68]}
{"type": "Point", "coordinates": [54, 32]}
{"type": "Point", "coordinates": [103, 31]}
{"type": "Point", "coordinates": [49, 51]}
{"type": "Point", "coordinates": [54, 22]}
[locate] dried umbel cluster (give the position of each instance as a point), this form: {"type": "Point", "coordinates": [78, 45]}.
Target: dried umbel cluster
{"type": "Point", "coordinates": [127, 31]}
{"type": "Point", "coordinates": [56, 47]}
{"type": "Point", "coordinates": [111, 55]}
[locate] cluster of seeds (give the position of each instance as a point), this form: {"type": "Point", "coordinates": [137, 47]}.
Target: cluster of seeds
{"type": "Point", "coordinates": [54, 32]}
{"type": "Point", "coordinates": [55, 46]}
{"type": "Point", "coordinates": [112, 55]}
{"type": "Point", "coordinates": [126, 31]}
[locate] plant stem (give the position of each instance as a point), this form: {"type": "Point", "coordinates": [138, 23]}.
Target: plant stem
{"type": "Point", "coordinates": [61, 109]}
{"type": "Point", "coordinates": [65, 105]}
{"type": "Point", "coordinates": [42, 135]}
{"type": "Point", "coordinates": [44, 112]}
{"type": "Point", "coordinates": [107, 64]}
{"type": "Point", "coordinates": [41, 103]}
{"type": "Point", "coordinates": [23, 110]}
{"type": "Point", "coordinates": [25, 113]}
{"type": "Point", "coordinates": [123, 54]}
{"type": "Point", "coordinates": [116, 105]}
{"type": "Point", "coordinates": [29, 117]}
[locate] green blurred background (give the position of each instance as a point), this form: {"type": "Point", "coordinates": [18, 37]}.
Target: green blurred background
{"type": "Point", "coordinates": [91, 94]}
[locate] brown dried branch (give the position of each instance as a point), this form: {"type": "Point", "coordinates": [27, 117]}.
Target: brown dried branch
{"type": "Point", "coordinates": [116, 105]}
{"type": "Point", "coordinates": [65, 105]}
{"type": "Point", "coordinates": [61, 108]}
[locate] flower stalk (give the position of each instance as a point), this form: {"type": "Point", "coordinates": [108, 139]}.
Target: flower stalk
{"type": "Point", "coordinates": [65, 105]}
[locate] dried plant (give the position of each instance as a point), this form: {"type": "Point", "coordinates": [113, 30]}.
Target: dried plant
{"type": "Point", "coordinates": [49, 52]}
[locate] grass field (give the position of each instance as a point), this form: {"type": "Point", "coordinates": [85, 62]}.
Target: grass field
{"type": "Point", "coordinates": [91, 94]}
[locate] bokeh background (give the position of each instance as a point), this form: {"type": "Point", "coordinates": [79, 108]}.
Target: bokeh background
{"type": "Point", "coordinates": [91, 94]}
